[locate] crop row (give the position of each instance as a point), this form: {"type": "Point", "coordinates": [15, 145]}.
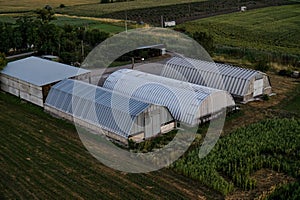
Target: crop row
{"type": "Point", "coordinates": [273, 144]}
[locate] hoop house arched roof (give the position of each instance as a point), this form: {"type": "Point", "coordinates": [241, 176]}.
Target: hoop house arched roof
{"type": "Point", "coordinates": [235, 80]}
{"type": "Point", "coordinates": [99, 106]}
{"type": "Point", "coordinates": [187, 102]}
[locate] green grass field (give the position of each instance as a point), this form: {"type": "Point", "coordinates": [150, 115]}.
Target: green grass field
{"type": "Point", "coordinates": [62, 20]}
{"type": "Point", "coordinates": [91, 24]}
{"type": "Point", "coordinates": [274, 29]}
{"type": "Point", "coordinates": [43, 158]}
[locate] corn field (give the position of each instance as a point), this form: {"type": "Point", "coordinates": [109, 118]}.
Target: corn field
{"type": "Point", "coordinates": [273, 144]}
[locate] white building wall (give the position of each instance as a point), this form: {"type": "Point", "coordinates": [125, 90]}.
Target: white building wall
{"type": "Point", "coordinates": [24, 90]}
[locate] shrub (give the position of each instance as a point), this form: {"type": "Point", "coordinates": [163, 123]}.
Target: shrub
{"type": "Point", "coordinates": [265, 97]}
{"type": "Point", "coordinates": [262, 65]}
{"type": "Point", "coordinates": [3, 61]}
{"type": "Point", "coordinates": [285, 72]}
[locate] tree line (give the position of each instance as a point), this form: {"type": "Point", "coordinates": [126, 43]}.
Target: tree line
{"type": "Point", "coordinates": [37, 33]}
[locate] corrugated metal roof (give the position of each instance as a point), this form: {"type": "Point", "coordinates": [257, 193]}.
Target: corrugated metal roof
{"type": "Point", "coordinates": [109, 110]}
{"type": "Point", "coordinates": [181, 98]}
{"type": "Point", "coordinates": [39, 72]}
{"type": "Point", "coordinates": [235, 80]}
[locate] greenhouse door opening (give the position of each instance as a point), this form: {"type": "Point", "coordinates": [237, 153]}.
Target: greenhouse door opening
{"type": "Point", "coordinates": [152, 124]}
{"type": "Point", "coordinates": [258, 87]}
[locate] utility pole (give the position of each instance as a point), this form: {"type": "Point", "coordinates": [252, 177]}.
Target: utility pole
{"type": "Point", "coordinates": [126, 21]}
{"type": "Point", "coordinates": [132, 62]}
{"type": "Point", "coordinates": [82, 49]}
{"type": "Point", "coordinates": [162, 21]}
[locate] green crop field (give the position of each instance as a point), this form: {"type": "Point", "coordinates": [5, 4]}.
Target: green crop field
{"type": "Point", "coordinates": [270, 144]}
{"type": "Point", "coordinates": [274, 29]}
{"type": "Point", "coordinates": [43, 158]}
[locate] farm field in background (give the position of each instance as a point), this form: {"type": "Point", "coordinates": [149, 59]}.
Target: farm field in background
{"type": "Point", "coordinates": [151, 13]}
{"type": "Point", "coordinates": [110, 27]}
{"type": "Point", "coordinates": [28, 5]}
{"type": "Point", "coordinates": [274, 29]}
{"type": "Point", "coordinates": [90, 24]}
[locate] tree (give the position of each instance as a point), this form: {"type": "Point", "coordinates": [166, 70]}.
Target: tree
{"type": "Point", "coordinates": [27, 27]}
{"type": "Point", "coordinates": [3, 61]}
{"type": "Point", "coordinates": [48, 40]}
{"type": "Point", "coordinates": [6, 33]}
{"type": "Point", "coordinates": [45, 14]}
{"type": "Point", "coordinates": [95, 36]}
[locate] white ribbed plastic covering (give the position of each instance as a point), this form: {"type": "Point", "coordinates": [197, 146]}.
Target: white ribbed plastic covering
{"type": "Point", "coordinates": [187, 102]}
{"type": "Point", "coordinates": [235, 80]}
{"type": "Point", "coordinates": [99, 106]}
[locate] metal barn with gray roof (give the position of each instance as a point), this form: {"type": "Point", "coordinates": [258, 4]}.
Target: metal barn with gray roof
{"type": "Point", "coordinates": [243, 84]}
{"type": "Point", "coordinates": [31, 78]}
{"type": "Point", "coordinates": [103, 111]}
{"type": "Point", "coordinates": [188, 103]}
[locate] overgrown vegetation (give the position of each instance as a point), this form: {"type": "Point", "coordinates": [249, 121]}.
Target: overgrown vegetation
{"type": "Point", "coordinates": [270, 144]}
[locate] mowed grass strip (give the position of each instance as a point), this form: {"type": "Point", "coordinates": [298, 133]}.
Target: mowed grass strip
{"type": "Point", "coordinates": [272, 29]}
{"type": "Point", "coordinates": [43, 157]}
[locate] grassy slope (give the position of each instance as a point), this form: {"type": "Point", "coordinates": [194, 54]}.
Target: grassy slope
{"type": "Point", "coordinates": [42, 157]}
{"type": "Point", "coordinates": [273, 28]}
{"type": "Point", "coordinates": [25, 5]}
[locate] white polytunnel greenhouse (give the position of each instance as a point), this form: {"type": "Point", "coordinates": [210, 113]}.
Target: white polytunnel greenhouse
{"type": "Point", "coordinates": [188, 103]}
{"type": "Point", "coordinates": [98, 109]}
{"type": "Point", "coordinates": [243, 84]}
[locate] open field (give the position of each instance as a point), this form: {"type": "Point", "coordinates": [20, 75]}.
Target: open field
{"type": "Point", "coordinates": [110, 26]}
{"type": "Point", "coordinates": [274, 29]}
{"type": "Point", "coordinates": [43, 158]}
{"type": "Point", "coordinates": [151, 13]}
{"type": "Point", "coordinates": [26, 5]}
{"type": "Point", "coordinates": [89, 23]}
